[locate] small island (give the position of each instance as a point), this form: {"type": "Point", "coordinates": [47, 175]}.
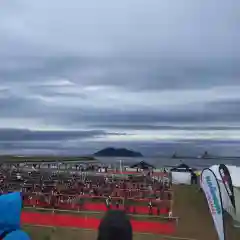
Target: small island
{"type": "Point", "coordinates": [117, 152]}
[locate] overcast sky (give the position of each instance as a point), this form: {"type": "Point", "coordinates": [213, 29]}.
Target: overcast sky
{"type": "Point", "coordinates": [120, 71]}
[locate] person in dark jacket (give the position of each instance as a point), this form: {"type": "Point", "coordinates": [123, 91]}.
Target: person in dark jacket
{"type": "Point", "coordinates": [150, 206]}
{"type": "Point", "coordinates": [115, 226]}
{"type": "Point", "coordinates": [108, 202]}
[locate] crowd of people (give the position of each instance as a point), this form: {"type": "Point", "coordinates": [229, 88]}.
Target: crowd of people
{"type": "Point", "coordinates": [134, 193]}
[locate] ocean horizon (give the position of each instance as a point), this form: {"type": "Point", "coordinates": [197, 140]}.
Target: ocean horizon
{"type": "Point", "coordinates": [168, 161]}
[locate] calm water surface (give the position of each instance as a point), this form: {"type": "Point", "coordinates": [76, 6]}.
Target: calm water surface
{"type": "Point", "coordinates": [164, 161]}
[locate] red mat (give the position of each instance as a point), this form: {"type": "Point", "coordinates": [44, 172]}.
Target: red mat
{"type": "Point", "coordinates": [100, 207]}
{"type": "Point", "coordinates": [64, 220]}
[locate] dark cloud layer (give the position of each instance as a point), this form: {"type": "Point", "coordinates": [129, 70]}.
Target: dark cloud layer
{"type": "Point", "coordinates": [133, 73]}
{"type": "Point", "coordinates": [27, 135]}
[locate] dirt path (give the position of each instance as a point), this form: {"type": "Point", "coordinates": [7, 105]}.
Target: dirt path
{"type": "Point", "coordinates": [52, 233]}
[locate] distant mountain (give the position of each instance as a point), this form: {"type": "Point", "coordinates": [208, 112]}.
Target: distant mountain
{"type": "Point", "coordinates": [117, 152]}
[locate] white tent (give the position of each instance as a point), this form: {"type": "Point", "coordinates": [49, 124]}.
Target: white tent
{"type": "Point", "coordinates": [235, 175]}
{"type": "Point", "coordinates": [181, 174]}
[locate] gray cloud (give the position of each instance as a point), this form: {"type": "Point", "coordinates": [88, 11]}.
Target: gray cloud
{"type": "Point", "coordinates": [134, 73]}
{"type": "Point", "coordinates": [164, 127]}
{"type": "Point", "coordinates": [192, 46]}
{"type": "Point", "coordinates": [123, 66]}
{"type": "Point", "coordinates": [27, 135]}
{"type": "Point", "coordinates": [224, 112]}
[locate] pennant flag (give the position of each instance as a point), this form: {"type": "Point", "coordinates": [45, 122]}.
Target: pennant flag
{"type": "Point", "coordinates": [212, 192]}
{"type": "Point", "coordinates": [227, 181]}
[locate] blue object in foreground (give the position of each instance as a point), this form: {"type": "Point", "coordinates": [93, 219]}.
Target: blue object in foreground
{"type": "Point", "coordinates": [17, 235]}
{"type": "Point", "coordinates": [10, 216]}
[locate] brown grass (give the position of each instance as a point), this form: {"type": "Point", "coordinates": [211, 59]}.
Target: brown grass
{"type": "Point", "coordinates": [51, 233]}
{"type": "Point", "coordinates": [195, 219]}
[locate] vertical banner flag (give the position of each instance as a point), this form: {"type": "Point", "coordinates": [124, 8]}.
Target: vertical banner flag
{"type": "Point", "coordinates": [211, 188]}
{"type": "Point", "coordinates": [227, 182]}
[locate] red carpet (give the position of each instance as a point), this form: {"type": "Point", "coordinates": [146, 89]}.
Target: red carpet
{"type": "Point", "coordinates": [139, 209]}
{"type": "Point", "coordinates": [64, 220]}
{"type": "Point", "coordinates": [97, 207]}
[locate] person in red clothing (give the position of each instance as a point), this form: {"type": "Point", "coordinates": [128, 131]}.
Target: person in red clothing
{"type": "Point", "coordinates": [117, 204]}
{"type": "Point", "coordinates": [158, 210]}
{"type": "Point", "coordinates": [134, 210]}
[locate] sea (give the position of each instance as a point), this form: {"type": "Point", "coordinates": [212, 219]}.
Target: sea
{"type": "Point", "coordinates": [160, 162]}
